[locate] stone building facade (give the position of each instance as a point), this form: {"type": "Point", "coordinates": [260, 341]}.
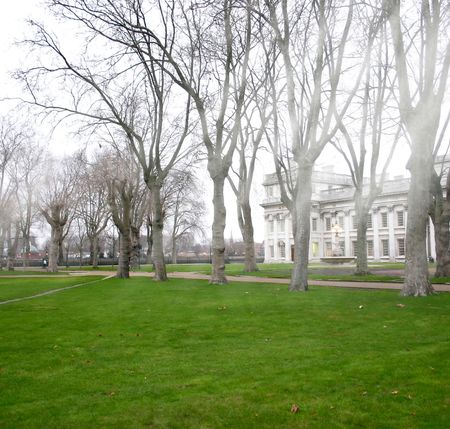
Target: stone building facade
{"type": "Point", "coordinates": [333, 223]}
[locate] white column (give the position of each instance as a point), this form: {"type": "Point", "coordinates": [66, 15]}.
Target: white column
{"type": "Point", "coordinates": [266, 239]}
{"type": "Point", "coordinates": [287, 241]}
{"type": "Point", "coordinates": [392, 243]}
{"type": "Point", "coordinates": [347, 224]}
{"type": "Point", "coordinates": [276, 253]}
{"type": "Point", "coordinates": [376, 238]}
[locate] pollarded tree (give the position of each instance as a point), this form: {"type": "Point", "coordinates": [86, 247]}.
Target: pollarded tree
{"type": "Point", "coordinates": [421, 41]}
{"type": "Point", "coordinates": [127, 195]}
{"type": "Point", "coordinates": [57, 201]}
{"type": "Point", "coordinates": [313, 44]}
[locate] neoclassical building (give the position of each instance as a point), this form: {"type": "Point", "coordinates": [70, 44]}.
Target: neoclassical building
{"type": "Point", "coordinates": [333, 220]}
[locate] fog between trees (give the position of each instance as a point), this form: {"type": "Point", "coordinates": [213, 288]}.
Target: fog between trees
{"type": "Point", "coordinates": [165, 85]}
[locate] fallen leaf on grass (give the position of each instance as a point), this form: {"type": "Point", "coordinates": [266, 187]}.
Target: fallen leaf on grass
{"type": "Point", "coordinates": [361, 306]}
{"type": "Point", "coordinates": [295, 408]}
{"type": "Point", "coordinates": [400, 305]}
{"type": "Point", "coordinates": [394, 392]}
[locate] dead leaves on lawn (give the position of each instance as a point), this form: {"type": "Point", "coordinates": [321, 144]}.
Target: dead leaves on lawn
{"type": "Point", "coordinates": [295, 409]}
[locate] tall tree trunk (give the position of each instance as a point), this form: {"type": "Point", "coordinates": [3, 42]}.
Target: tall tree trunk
{"type": "Point", "coordinates": [174, 249]}
{"type": "Point", "coordinates": [93, 251]}
{"type": "Point", "coordinates": [134, 250]}
{"type": "Point", "coordinates": [53, 254]}
{"type": "Point", "coordinates": [27, 229]}
{"type": "Point", "coordinates": [301, 228]}
{"type": "Point", "coordinates": [248, 237]}
{"type": "Point", "coordinates": [442, 238]}
{"type": "Point", "coordinates": [416, 269]}
{"type": "Point", "coordinates": [149, 242]}
{"type": "Point", "coordinates": [440, 215]}
{"type": "Point", "coordinates": [157, 228]}
{"type": "Point", "coordinates": [218, 229]}
{"type": "Point", "coordinates": [61, 251]}
{"type": "Point", "coordinates": [12, 247]}
{"type": "Point", "coordinates": [362, 217]}
{"type": "Point", "coordinates": [2, 246]}
{"type": "Point", "coordinates": [123, 269]}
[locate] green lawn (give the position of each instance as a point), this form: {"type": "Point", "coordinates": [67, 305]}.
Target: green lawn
{"type": "Point", "coordinates": [17, 288]}
{"type": "Point", "coordinates": [184, 354]}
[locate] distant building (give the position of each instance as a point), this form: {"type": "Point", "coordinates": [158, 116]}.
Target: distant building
{"type": "Point", "coordinates": [333, 220]}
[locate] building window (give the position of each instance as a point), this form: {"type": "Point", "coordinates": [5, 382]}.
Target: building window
{"type": "Point", "coordinates": [281, 225]}
{"type": "Point", "coordinates": [269, 190]}
{"type": "Point", "coordinates": [401, 246]}
{"type": "Point", "coordinates": [354, 248]}
{"type": "Point", "coordinates": [354, 224]}
{"type": "Point", "coordinates": [270, 225]}
{"type": "Point", "coordinates": [369, 248]}
{"type": "Point", "coordinates": [282, 248]}
{"type": "Point", "coordinates": [271, 251]}
{"type": "Point", "coordinates": [328, 248]}
{"type": "Point", "coordinates": [385, 247]}
{"type": "Point", "coordinates": [328, 223]}
{"type": "Point", "coordinates": [341, 222]}
{"type": "Point", "coordinates": [342, 247]}
{"type": "Point", "coordinates": [384, 220]}
{"type": "Point", "coordinates": [400, 219]}
{"type": "Point", "coordinates": [369, 222]}
{"type": "Point", "coordinates": [314, 224]}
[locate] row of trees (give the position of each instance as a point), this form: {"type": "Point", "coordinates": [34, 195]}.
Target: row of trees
{"type": "Point", "coordinates": [173, 79]}
{"type": "Point", "coordinates": [80, 197]}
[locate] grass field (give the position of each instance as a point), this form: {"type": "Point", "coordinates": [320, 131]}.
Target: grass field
{"type": "Point", "coordinates": [183, 354]}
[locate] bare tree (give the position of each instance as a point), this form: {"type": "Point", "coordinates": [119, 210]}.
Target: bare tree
{"type": "Point", "coordinates": [127, 200]}
{"type": "Point", "coordinates": [131, 94]}
{"type": "Point", "coordinates": [57, 201]}
{"type": "Point", "coordinates": [312, 40]}
{"type": "Point", "coordinates": [93, 208]}
{"type": "Point", "coordinates": [28, 176]}
{"type": "Point", "coordinates": [184, 208]}
{"type": "Point", "coordinates": [363, 145]}
{"type": "Point", "coordinates": [12, 141]}
{"type": "Point", "coordinates": [420, 36]}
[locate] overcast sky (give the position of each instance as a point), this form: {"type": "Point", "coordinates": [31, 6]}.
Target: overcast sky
{"type": "Point", "coordinates": [13, 28]}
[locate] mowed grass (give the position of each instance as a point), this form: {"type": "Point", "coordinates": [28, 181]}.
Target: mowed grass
{"type": "Point", "coordinates": [184, 354]}
{"type": "Point", "coordinates": [11, 288]}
